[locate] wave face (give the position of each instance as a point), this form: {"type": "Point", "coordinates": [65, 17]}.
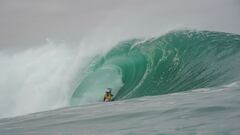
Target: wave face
{"type": "Point", "coordinates": [178, 61]}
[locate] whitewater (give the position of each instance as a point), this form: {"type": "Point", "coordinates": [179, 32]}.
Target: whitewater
{"type": "Point", "coordinates": [180, 77]}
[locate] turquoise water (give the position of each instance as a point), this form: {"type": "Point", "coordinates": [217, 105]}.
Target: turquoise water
{"type": "Point", "coordinates": [177, 61]}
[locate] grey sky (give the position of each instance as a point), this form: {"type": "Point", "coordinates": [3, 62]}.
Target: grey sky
{"type": "Point", "coordinates": [26, 23]}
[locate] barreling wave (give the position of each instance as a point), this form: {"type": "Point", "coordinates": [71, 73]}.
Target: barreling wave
{"type": "Point", "coordinates": [178, 61]}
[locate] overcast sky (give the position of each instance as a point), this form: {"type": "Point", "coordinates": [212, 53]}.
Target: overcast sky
{"type": "Point", "coordinates": [26, 23]}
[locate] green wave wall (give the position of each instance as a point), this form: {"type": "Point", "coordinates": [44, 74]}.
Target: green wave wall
{"type": "Point", "coordinates": [177, 61]}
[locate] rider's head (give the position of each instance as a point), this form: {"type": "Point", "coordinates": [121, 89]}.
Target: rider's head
{"type": "Point", "coordinates": [109, 90]}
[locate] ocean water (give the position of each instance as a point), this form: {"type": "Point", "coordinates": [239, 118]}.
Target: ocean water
{"type": "Point", "coordinates": [182, 82]}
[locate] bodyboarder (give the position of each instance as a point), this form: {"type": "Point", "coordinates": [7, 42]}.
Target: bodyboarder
{"type": "Point", "coordinates": [108, 96]}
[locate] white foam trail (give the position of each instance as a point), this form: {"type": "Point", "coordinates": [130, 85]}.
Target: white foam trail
{"type": "Point", "coordinates": [42, 78]}
{"type": "Point", "coordinates": [34, 80]}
